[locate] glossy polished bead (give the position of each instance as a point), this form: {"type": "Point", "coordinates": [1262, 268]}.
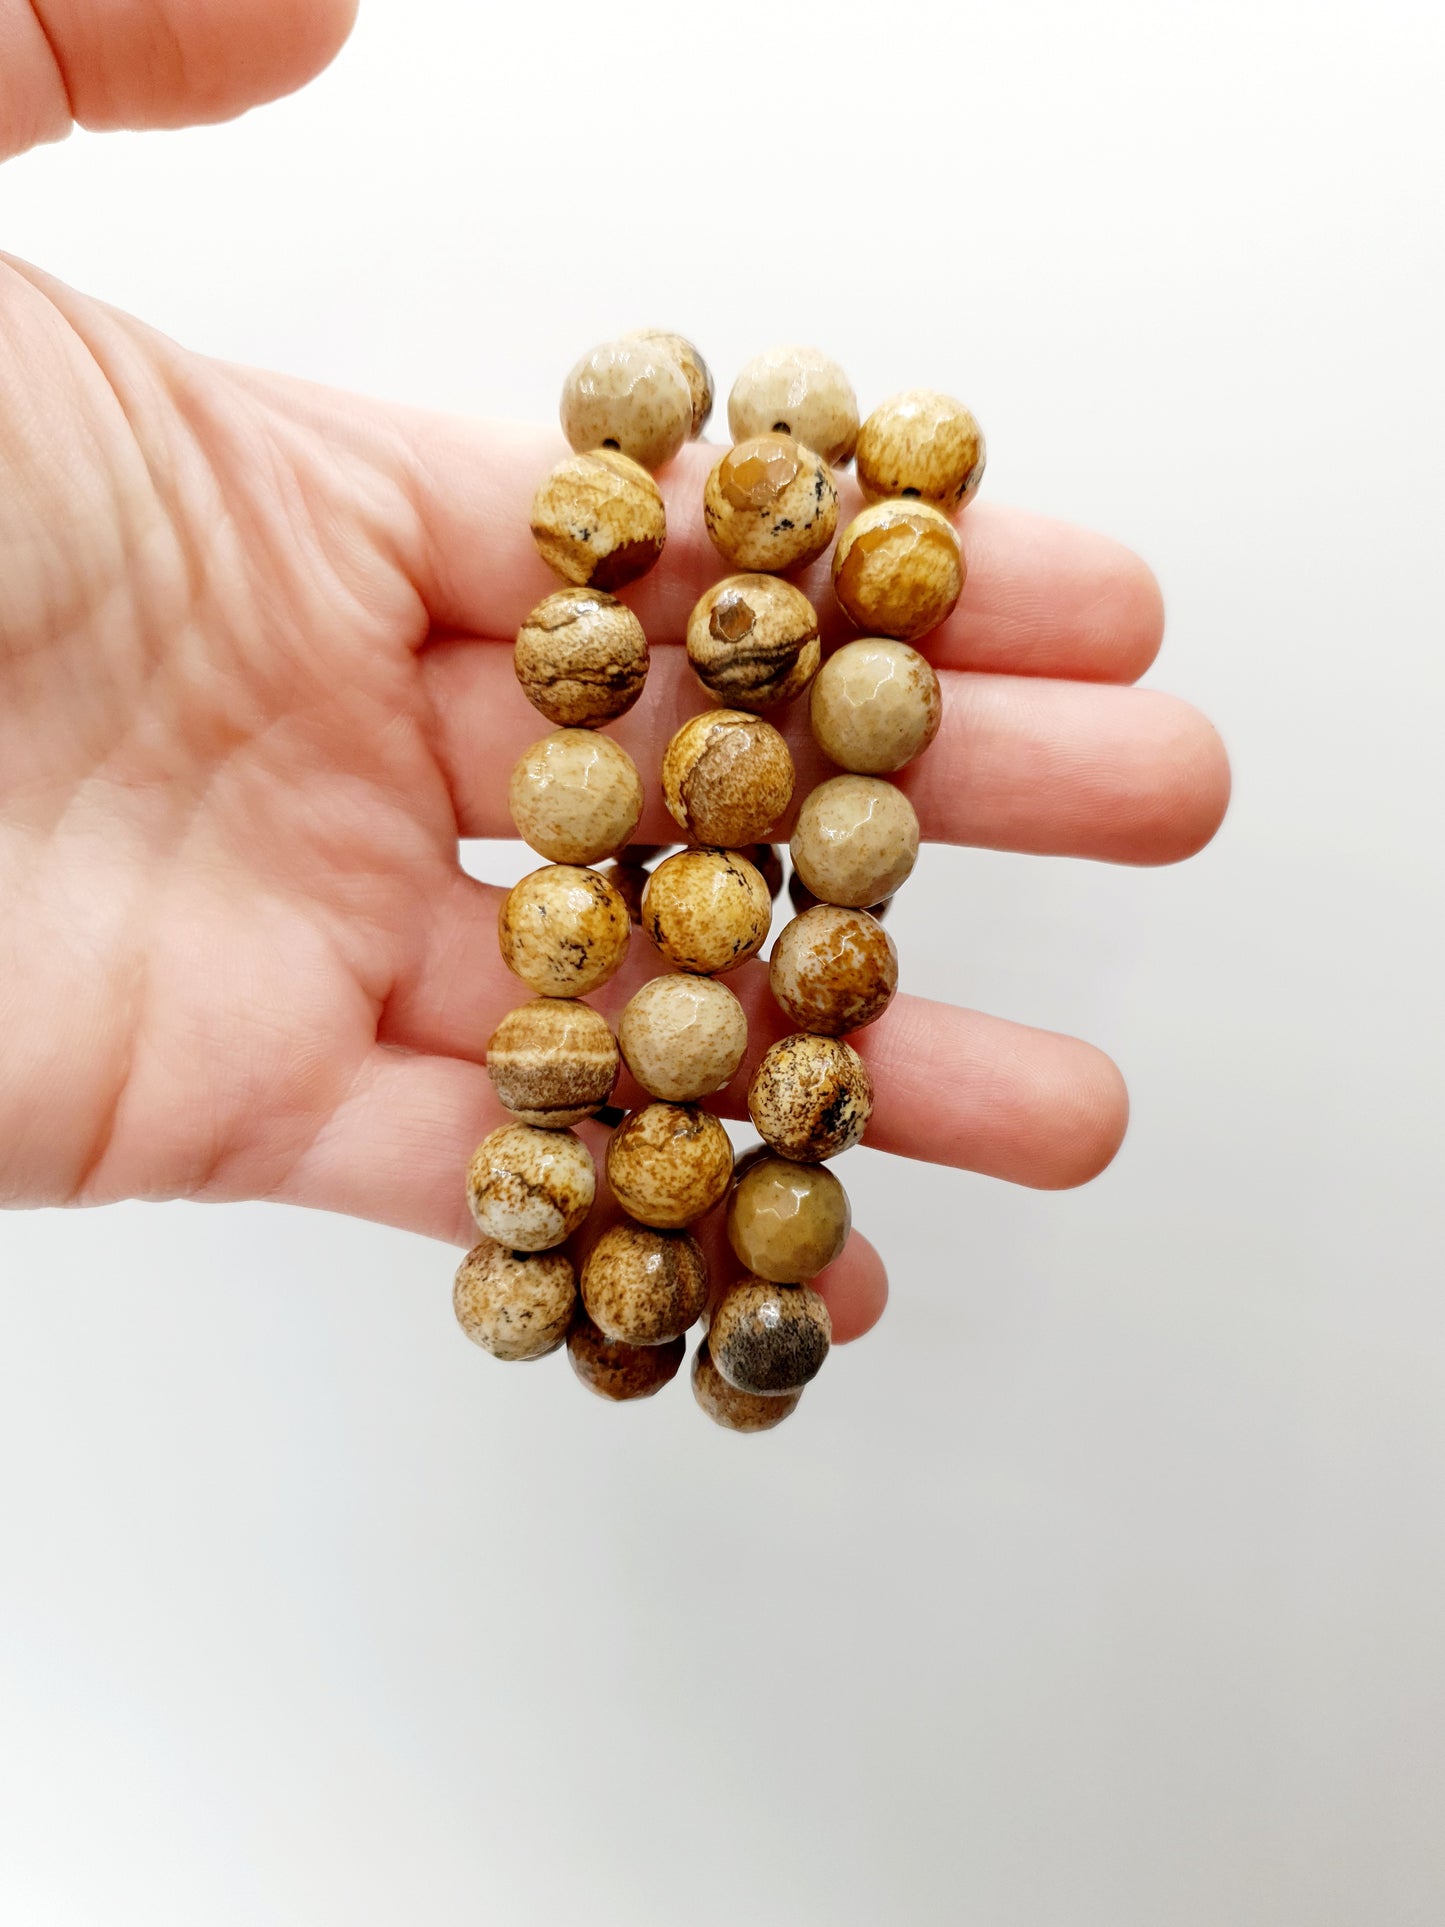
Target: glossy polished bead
{"type": "Point", "coordinates": [695, 371]}
{"type": "Point", "coordinates": [563, 930]}
{"type": "Point", "coordinates": [528, 1188]}
{"type": "Point", "coordinates": [766, 1338]}
{"type": "Point", "coordinates": [575, 796]}
{"type": "Point", "coordinates": [668, 1164]}
{"type": "Point", "coordinates": [642, 1286]}
{"type": "Point", "coordinates": [923, 444]}
{"type": "Point", "coordinates": [683, 1037]}
{"type": "Point", "coordinates": [553, 1062]}
{"type": "Point", "coordinates": [787, 1221]}
{"type": "Point", "coordinates": [898, 569]}
{"type": "Point", "coordinates": [770, 503]}
{"type": "Point", "coordinates": [727, 777]}
{"type": "Point", "coordinates": [581, 658]}
{"type": "Point", "coordinates": [753, 641]}
{"type": "Point", "coordinates": [598, 519]}
{"type": "Point", "coordinates": [833, 970]}
{"type": "Point", "coordinates": [514, 1304]}
{"type": "Point", "coordinates": [811, 1098]}
{"type": "Point", "coordinates": [707, 910]}
{"type": "Point", "coordinates": [796, 391]}
{"type": "Point", "coordinates": [629, 394]}
{"type": "Point", "coordinates": [621, 1372]}
{"type": "Point", "coordinates": [855, 840]}
{"type": "Point", "coordinates": [733, 1410]}
{"type": "Point", "coordinates": [876, 704]}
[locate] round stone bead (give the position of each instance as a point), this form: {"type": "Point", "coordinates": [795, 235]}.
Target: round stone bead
{"type": "Point", "coordinates": [787, 1221]}
{"type": "Point", "coordinates": [727, 777]}
{"type": "Point", "coordinates": [553, 1062]}
{"type": "Point", "coordinates": [922, 444]}
{"type": "Point", "coordinates": [621, 1372]}
{"type": "Point", "coordinates": [833, 969]}
{"type": "Point", "coordinates": [563, 930]}
{"type": "Point", "coordinates": [598, 519]}
{"type": "Point", "coordinates": [515, 1304]}
{"type": "Point", "coordinates": [855, 840]}
{"type": "Point", "coordinates": [581, 658]}
{"type": "Point", "coordinates": [770, 503]}
{"type": "Point", "coordinates": [631, 395]}
{"type": "Point", "coordinates": [811, 1098]}
{"type": "Point", "coordinates": [642, 1286]}
{"type": "Point", "coordinates": [737, 1411]}
{"type": "Point", "coordinates": [767, 1338]}
{"type": "Point", "coordinates": [898, 569]}
{"type": "Point", "coordinates": [876, 704]}
{"type": "Point", "coordinates": [668, 1164]}
{"type": "Point", "coordinates": [707, 911]}
{"type": "Point", "coordinates": [753, 641]}
{"type": "Point", "coordinates": [695, 371]}
{"type": "Point", "coordinates": [799, 392]}
{"type": "Point", "coordinates": [683, 1037]}
{"type": "Point", "coordinates": [529, 1189]}
{"type": "Point", "coordinates": [575, 796]}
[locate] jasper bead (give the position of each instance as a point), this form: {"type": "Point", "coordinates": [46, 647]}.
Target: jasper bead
{"type": "Point", "coordinates": [581, 658]}
{"type": "Point", "coordinates": [811, 1098]}
{"type": "Point", "coordinates": [643, 1286]}
{"type": "Point", "coordinates": [707, 910]}
{"type": "Point", "coordinates": [787, 1221]}
{"type": "Point", "coordinates": [770, 503]}
{"type": "Point", "coordinates": [898, 569]}
{"type": "Point", "coordinates": [855, 840]}
{"type": "Point", "coordinates": [575, 796]}
{"type": "Point", "coordinates": [800, 392]}
{"type": "Point", "coordinates": [833, 969]}
{"type": "Point", "coordinates": [753, 641]}
{"type": "Point", "coordinates": [553, 1062]}
{"type": "Point", "coordinates": [514, 1304]}
{"type": "Point", "coordinates": [683, 1037]}
{"type": "Point", "coordinates": [598, 519]}
{"type": "Point", "coordinates": [631, 395]}
{"type": "Point", "coordinates": [727, 777]}
{"type": "Point", "coordinates": [621, 1372]}
{"type": "Point", "coordinates": [668, 1164]}
{"type": "Point", "coordinates": [736, 1411]}
{"type": "Point", "coordinates": [528, 1188]}
{"type": "Point", "coordinates": [876, 704]}
{"type": "Point", "coordinates": [921, 443]}
{"type": "Point", "coordinates": [563, 930]}
{"type": "Point", "coordinates": [695, 371]}
{"type": "Point", "coordinates": [766, 1338]}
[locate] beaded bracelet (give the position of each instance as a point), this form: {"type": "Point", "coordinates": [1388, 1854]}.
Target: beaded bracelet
{"type": "Point", "coordinates": [770, 505]}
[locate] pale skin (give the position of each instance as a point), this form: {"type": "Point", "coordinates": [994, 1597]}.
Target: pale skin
{"type": "Point", "coordinates": [255, 683]}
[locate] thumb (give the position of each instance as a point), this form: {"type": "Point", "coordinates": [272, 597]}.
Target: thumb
{"type": "Point", "coordinates": [154, 63]}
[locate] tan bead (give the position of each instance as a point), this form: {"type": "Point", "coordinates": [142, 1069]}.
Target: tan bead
{"type": "Point", "coordinates": [553, 1062]}
{"type": "Point", "coordinates": [631, 395]}
{"type": "Point", "coordinates": [529, 1189]}
{"type": "Point", "coordinates": [766, 1338]}
{"type": "Point", "coordinates": [581, 658]}
{"type": "Point", "coordinates": [598, 519]}
{"type": "Point", "coordinates": [898, 569]}
{"type": "Point", "coordinates": [737, 1411]}
{"type": "Point", "coordinates": [923, 444]}
{"type": "Point", "coordinates": [855, 840]}
{"type": "Point", "coordinates": [770, 503]}
{"type": "Point", "coordinates": [833, 969]}
{"type": "Point", "coordinates": [563, 930]}
{"type": "Point", "coordinates": [787, 1221]}
{"type": "Point", "coordinates": [643, 1286]}
{"type": "Point", "coordinates": [695, 371]}
{"type": "Point", "coordinates": [876, 704]}
{"type": "Point", "coordinates": [683, 1037]}
{"type": "Point", "coordinates": [575, 796]}
{"type": "Point", "coordinates": [515, 1304]}
{"type": "Point", "coordinates": [707, 910]}
{"type": "Point", "coordinates": [799, 392]}
{"type": "Point", "coordinates": [811, 1098]}
{"type": "Point", "coordinates": [753, 641]}
{"type": "Point", "coordinates": [621, 1372]}
{"type": "Point", "coordinates": [668, 1164]}
{"type": "Point", "coordinates": [727, 777]}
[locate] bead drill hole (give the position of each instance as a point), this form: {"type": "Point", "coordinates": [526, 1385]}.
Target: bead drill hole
{"type": "Point", "coordinates": [909, 494]}
{"type": "Point", "coordinates": [612, 442]}
{"type": "Point", "coordinates": [781, 428]}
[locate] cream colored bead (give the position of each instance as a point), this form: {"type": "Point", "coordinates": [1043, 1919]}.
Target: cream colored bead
{"type": "Point", "coordinates": [924, 444]}
{"type": "Point", "coordinates": [876, 704]}
{"type": "Point", "coordinates": [898, 569]}
{"type": "Point", "coordinates": [642, 1286]}
{"type": "Point", "coordinates": [514, 1304]}
{"type": "Point", "coordinates": [668, 1164]}
{"type": "Point", "coordinates": [553, 1062]}
{"type": "Point", "coordinates": [631, 395]}
{"type": "Point", "coordinates": [800, 392]}
{"type": "Point", "coordinates": [766, 1338]}
{"type": "Point", "coordinates": [621, 1372]}
{"type": "Point", "coordinates": [707, 910]}
{"type": "Point", "coordinates": [787, 1221]}
{"type": "Point", "coordinates": [833, 969]}
{"type": "Point", "coordinates": [575, 796]}
{"type": "Point", "coordinates": [598, 519]}
{"type": "Point", "coordinates": [770, 503]}
{"type": "Point", "coordinates": [727, 777]}
{"type": "Point", "coordinates": [753, 641]}
{"type": "Point", "coordinates": [563, 930]}
{"type": "Point", "coordinates": [733, 1410]}
{"type": "Point", "coordinates": [855, 840]}
{"type": "Point", "coordinates": [683, 1037]}
{"type": "Point", "coordinates": [529, 1189]}
{"type": "Point", "coordinates": [811, 1098]}
{"type": "Point", "coordinates": [581, 658]}
{"type": "Point", "coordinates": [695, 371]}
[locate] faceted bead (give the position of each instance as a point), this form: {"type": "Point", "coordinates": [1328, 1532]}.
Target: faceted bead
{"type": "Point", "coordinates": [770, 503]}
{"type": "Point", "coordinates": [668, 1164]}
{"type": "Point", "coordinates": [922, 444]}
{"type": "Point", "coordinates": [514, 1304]}
{"type": "Point", "coordinates": [876, 704]}
{"type": "Point", "coordinates": [581, 658]}
{"type": "Point", "coordinates": [683, 1037]}
{"type": "Point", "coordinates": [528, 1188]}
{"type": "Point", "coordinates": [898, 569]}
{"type": "Point", "coordinates": [563, 930]}
{"type": "Point", "coordinates": [707, 910]}
{"type": "Point", "coordinates": [621, 1372]}
{"type": "Point", "coordinates": [644, 1286]}
{"type": "Point", "coordinates": [833, 969]}
{"type": "Point", "coordinates": [766, 1338]}
{"type": "Point", "coordinates": [733, 1410]}
{"type": "Point", "coordinates": [855, 840]}
{"type": "Point", "coordinates": [800, 392]}
{"type": "Point", "coordinates": [811, 1098]}
{"type": "Point", "coordinates": [787, 1221]}
{"type": "Point", "coordinates": [727, 777]}
{"type": "Point", "coordinates": [598, 519]}
{"type": "Point", "coordinates": [631, 395]}
{"type": "Point", "coordinates": [553, 1062]}
{"type": "Point", "coordinates": [753, 641]}
{"type": "Point", "coordinates": [695, 371]}
{"type": "Point", "coordinates": [575, 796]}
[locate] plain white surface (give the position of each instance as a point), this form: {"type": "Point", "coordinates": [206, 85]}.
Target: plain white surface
{"type": "Point", "coordinates": [1103, 1585]}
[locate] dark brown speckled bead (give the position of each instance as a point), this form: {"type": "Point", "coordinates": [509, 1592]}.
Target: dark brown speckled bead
{"type": "Point", "coordinates": [733, 1410]}
{"type": "Point", "coordinates": [767, 1338]}
{"type": "Point", "coordinates": [833, 970]}
{"type": "Point", "coordinates": [581, 658]}
{"type": "Point", "coordinates": [642, 1285]}
{"type": "Point", "coordinates": [770, 504]}
{"type": "Point", "coordinates": [563, 930]}
{"type": "Point", "coordinates": [811, 1097]}
{"type": "Point", "coordinates": [514, 1304]}
{"type": "Point", "coordinates": [598, 519]}
{"type": "Point", "coordinates": [621, 1372]}
{"type": "Point", "coordinates": [727, 777]}
{"type": "Point", "coordinates": [669, 1164]}
{"type": "Point", "coordinates": [752, 641]}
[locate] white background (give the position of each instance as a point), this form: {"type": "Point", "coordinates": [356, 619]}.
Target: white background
{"type": "Point", "coordinates": [1104, 1584]}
